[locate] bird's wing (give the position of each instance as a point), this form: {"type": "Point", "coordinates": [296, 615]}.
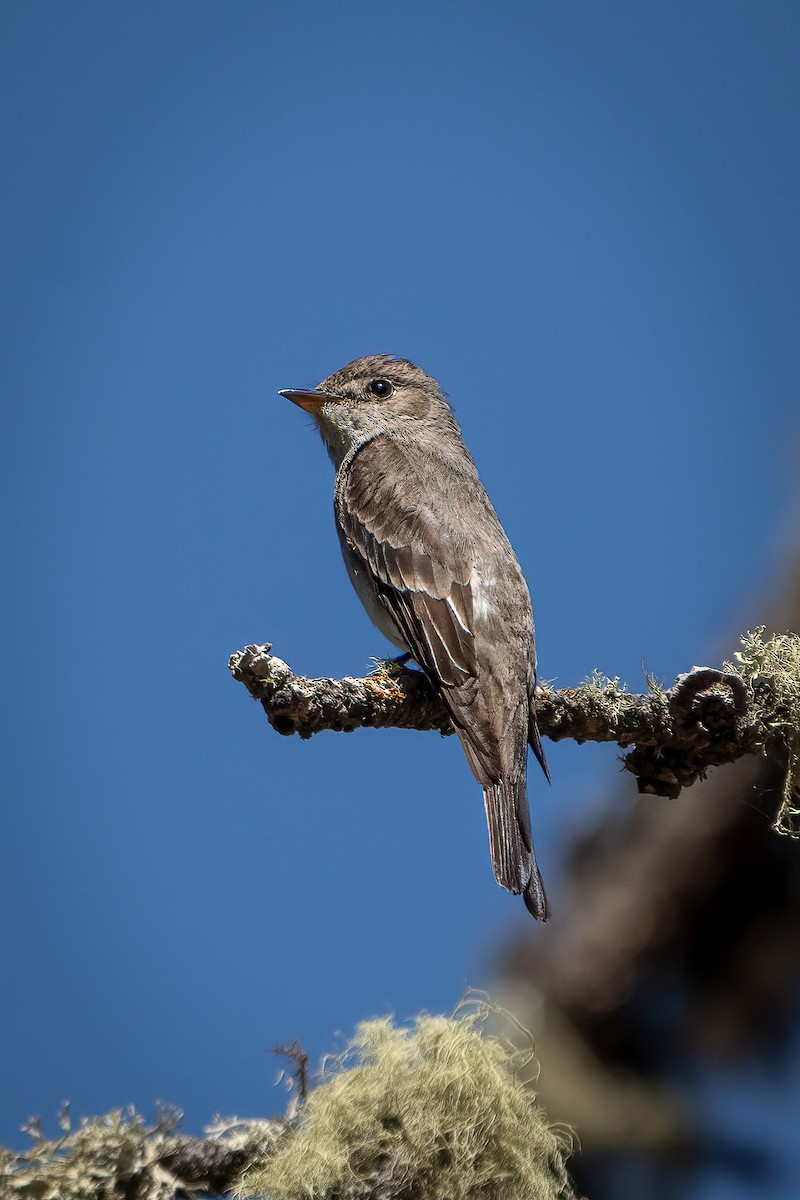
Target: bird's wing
{"type": "Point", "coordinates": [397, 520]}
{"type": "Point", "coordinates": [400, 531]}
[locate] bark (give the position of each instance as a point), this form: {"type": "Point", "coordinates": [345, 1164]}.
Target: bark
{"type": "Point", "coordinates": [707, 718]}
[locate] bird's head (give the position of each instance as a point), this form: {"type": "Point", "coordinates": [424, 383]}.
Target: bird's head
{"type": "Point", "coordinates": [372, 395]}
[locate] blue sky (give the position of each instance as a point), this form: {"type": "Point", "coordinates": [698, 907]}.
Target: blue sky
{"type": "Point", "coordinates": [582, 219]}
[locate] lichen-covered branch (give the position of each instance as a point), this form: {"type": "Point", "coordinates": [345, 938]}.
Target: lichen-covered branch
{"type": "Point", "coordinates": [120, 1157]}
{"type": "Point", "coordinates": [708, 717]}
{"type": "Point", "coordinates": [414, 1112]}
{"type": "Point", "coordinates": [391, 697]}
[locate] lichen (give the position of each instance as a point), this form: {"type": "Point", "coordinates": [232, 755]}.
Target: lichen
{"type": "Point", "coordinates": [434, 1111]}
{"type": "Point", "coordinates": [114, 1155]}
{"type": "Point", "coordinates": [600, 693]}
{"type": "Point", "coordinates": [771, 669]}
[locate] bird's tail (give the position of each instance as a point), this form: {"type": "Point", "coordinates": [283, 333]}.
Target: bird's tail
{"type": "Point", "coordinates": [513, 856]}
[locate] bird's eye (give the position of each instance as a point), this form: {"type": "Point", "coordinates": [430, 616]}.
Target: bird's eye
{"type": "Point", "coordinates": [381, 388]}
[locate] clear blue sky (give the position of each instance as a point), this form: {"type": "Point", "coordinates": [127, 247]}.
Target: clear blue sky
{"type": "Point", "coordinates": [582, 218]}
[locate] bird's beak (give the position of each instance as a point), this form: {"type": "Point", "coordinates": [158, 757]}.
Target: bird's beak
{"type": "Point", "coordinates": [307, 398]}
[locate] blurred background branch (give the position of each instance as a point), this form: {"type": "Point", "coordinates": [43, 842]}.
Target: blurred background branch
{"type": "Point", "coordinates": [676, 955]}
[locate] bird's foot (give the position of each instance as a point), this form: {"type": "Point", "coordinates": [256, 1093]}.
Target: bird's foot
{"type": "Point", "coordinates": [390, 666]}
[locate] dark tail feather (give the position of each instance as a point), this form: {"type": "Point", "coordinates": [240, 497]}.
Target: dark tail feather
{"type": "Point", "coordinates": [535, 896]}
{"type": "Point", "coordinates": [513, 857]}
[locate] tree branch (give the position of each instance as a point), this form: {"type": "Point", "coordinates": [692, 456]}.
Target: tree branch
{"type": "Point", "coordinates": [708, 717]}
{"type": "Point", "coordinates": [120, 1157]}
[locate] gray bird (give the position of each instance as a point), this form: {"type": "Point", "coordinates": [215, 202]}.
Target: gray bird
{"type": "Point", "coordinates": [432, 566]}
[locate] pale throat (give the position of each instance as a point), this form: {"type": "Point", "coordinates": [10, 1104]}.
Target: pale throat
{"type": "Point", "coordinates": [343, 427]}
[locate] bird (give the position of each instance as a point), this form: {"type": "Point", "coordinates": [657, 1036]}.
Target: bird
{"type": "Point", "coordinates": [432, 566]}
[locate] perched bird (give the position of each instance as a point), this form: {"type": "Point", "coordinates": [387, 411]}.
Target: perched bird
{"type": "Point", "coordinates": [432, 566]}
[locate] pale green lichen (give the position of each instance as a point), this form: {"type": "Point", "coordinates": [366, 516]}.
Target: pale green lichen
{"type": "Point", "coordinates": [654, 685]}
{"type": "Point", "coordinates": [434, 1111]}
{"type": "Point", "coordinates": [79, 1164]}
{"type": "Point", "coordinates": [598, 682]}
{"type": "Point", "coordinates": [115, 1155]}
{"type": "Point", "coordinates": [603, 693]}
{"type": "Point", "coordinates": [771, 669]}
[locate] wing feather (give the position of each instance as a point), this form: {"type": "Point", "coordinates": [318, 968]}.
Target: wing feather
{"type": "Point", "coordinates": [417, 579]}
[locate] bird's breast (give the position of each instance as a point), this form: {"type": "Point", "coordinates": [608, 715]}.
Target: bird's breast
{"type": "Point", "coordinates": [366, 593]}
